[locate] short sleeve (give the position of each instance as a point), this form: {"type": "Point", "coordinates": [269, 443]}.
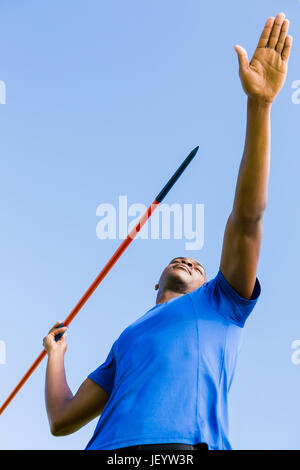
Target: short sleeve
{"type": "Point", "coordinates": [228, 302]}
{"type": "Point", "coordinates": [104, 375]}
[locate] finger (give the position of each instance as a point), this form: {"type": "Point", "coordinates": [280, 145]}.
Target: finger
{"type": "Point", "coordinates": [242, 56]}
{"type": "Point", "coordinates": [265, 35]}
{"type": "Point", "coordinates": [58, 330]}
{"type": "Point", "coordinates": [61, 338]}
{"type": "Point", "coordinates": [276, 30]}
{"type": "Point", "coordinates": [287, 48]}
{"type": "Point", "coordinates": [55, 326]}
{"type": "Point", "coordinates": [284, 30]}
{"type": "Point", "coordinates": [53, 335]}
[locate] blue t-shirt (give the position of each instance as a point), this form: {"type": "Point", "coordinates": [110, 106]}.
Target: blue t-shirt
{"type": "Point", "coordinates": [168, 374]}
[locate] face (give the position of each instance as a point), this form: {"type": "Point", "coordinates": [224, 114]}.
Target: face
{"type": "Point", "coordinates": [182, 275]}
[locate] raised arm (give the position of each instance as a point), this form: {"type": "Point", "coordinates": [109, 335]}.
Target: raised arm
{"type": "Point", "coordinates": [262, 78]}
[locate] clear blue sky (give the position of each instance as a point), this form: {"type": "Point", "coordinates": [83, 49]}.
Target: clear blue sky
{"type": "Point", "coordinates": [106, 99]}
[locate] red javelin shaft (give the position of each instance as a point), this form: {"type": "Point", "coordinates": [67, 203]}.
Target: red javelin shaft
{"type": "Point", "coordinates": [106, 268]}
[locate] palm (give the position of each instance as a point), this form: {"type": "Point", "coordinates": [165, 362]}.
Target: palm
{"type": "Point", "coordinates": [264, 76]}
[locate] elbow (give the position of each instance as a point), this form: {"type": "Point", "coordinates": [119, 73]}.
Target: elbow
{"type": "Point", "coordinates": [57, 429]}
{"type": "Point", "coordinates": [248, 219]}
{"type": "Point", "coordinates": [249, 209]}
{"type": "Point", "coordinates": [54, 429]}
{"type": "Point", "coordinates": [246, 224]}
{"type": "Point", "coordinates": [63, 428]}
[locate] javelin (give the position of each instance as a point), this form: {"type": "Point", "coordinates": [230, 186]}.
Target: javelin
{"type": "Point", "coordinates": [107, 268]}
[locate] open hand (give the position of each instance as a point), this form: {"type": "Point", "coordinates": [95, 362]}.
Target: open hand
{"type": "Point", "coordinates": [263, 77]}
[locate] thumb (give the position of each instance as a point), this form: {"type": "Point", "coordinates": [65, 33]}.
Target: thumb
{"type": "Point", "coordinates": [242, 56]}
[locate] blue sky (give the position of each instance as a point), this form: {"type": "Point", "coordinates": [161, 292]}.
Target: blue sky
{"type": "Point", "coordinates": [106, 99]}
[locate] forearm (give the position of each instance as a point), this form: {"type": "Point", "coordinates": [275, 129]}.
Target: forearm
{"type": "Point", "coordinates": [57, 392]}
{"type": "Point", "coordinates": [252, 185]}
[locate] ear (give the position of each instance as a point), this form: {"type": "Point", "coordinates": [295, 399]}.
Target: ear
{"type": "Point", "coordinates": [156, 286]}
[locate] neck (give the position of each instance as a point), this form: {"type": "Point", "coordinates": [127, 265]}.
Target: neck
{"type": "Point", "coordinates": [166, 295]}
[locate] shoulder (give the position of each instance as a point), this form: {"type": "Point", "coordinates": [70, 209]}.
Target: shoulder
{"type": "Point", "coordinates": [223, 298]}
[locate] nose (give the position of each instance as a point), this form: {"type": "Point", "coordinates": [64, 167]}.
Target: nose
{"type": "Point", "coordinates": [188, 263]}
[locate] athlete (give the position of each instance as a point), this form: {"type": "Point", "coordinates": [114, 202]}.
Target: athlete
{"type": "Point", "coordinates": [165, 381]}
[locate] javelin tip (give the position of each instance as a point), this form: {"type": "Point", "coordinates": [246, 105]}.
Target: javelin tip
{"type": "Point", "coordinates": [176, 175]}
{"type": "Point", "coordinates": [195, 150]}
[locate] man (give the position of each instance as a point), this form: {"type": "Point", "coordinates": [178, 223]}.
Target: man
{"type": "Point", "coordinates": [165, 381]}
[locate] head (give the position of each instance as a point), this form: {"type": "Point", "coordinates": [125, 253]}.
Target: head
{"type": "Point", "coordinates": [180, 276]}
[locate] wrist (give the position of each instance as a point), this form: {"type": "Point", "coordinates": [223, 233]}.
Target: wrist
{"type": "Point", "coordinates": [259, 103]}
{"type": "Point", "coordinates": [56, 354]}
